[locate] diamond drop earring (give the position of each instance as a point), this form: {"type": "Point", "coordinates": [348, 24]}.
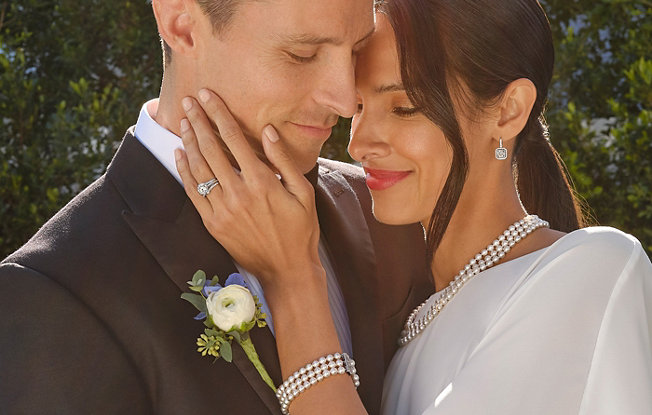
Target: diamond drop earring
{"type": "Point", "coordinates": [501, 152]}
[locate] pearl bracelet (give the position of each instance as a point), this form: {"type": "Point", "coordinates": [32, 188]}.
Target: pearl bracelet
{"type": "Point", "coordinates": [312, 373]}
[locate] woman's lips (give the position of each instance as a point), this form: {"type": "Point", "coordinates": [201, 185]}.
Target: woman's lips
{"type": "Point", "coordinates": [384, 179]}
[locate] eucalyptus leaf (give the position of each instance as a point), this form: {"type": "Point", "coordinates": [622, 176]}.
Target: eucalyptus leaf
{"type": "Point", "coordinates": [196, 289]}
{"type": "Point", "coordinates": [215, 280]}
{"type": "Point", "coordinates": [212, 332]}
{"type": "Point", "coordinates": [236, 335]}
{"type": "Point", "coordinates": [226, 352]}
{"type": "Point", "coordinates": [196, 300]}
{"type": "Point", "coordinates": [199, 279]}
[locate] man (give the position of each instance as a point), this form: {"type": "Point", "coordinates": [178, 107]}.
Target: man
{"type": "Point", "coordinates": [91, 319]}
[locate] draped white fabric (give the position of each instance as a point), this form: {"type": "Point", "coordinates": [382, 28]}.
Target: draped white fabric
{"type": "Point", "coordinates": [563, 330]}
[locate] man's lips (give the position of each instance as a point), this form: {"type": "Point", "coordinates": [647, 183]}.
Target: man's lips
{"type": "Point", "coordinates": [318, 132]}
{"type": "Point", "coordinates": [384, 179]}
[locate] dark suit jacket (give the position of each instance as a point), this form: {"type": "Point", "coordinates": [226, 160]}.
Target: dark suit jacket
{"type": "Point", "coordinates": [90, 315]}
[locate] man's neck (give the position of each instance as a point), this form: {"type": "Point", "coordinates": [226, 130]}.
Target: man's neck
{"type": "Point", "coordinates": [170, 113]}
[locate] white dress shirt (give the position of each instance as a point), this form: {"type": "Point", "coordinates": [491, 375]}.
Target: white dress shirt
{"type": "Point", "coordinates": [162, 143]}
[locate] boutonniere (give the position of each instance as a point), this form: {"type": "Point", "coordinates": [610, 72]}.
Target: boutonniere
{"type": "Point", "coordinates": [229, 313]}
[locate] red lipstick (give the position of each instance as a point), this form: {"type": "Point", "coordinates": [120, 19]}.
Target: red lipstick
{"type": "Point", "coordinates": [384, 179]}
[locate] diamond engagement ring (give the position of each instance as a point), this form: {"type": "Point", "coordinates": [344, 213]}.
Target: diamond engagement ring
{"type": "Point", "coordinates": [205, 188]}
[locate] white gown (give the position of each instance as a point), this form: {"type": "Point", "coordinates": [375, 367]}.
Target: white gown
{"type": "Point", "coordinates": [563, 330]}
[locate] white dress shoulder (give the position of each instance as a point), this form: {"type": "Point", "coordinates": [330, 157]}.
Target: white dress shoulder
{"type": "Point", "coordinates": [563, 330]}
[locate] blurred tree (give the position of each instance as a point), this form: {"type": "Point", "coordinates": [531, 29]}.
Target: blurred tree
{"type": "Point", "coordinates": [73, 76]}
{"type": "Point", "coordinates": [335, 147]}
{"type": "Point", "coordinates": [599, 111]}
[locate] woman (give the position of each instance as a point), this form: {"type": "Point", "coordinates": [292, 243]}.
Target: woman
{"type": "Point", "coordinates": [530, 316]}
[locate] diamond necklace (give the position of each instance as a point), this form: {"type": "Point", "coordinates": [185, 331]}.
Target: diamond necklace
{"type": "Point", "coordinates": [489, 256]}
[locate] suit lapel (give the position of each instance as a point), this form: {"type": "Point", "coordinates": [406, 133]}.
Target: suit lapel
{"type": "Point", "coordinates": [344, 227]}
{"type": "Point", "coordinates": [180, 247]}
{"type": "Point", "coordinates": [170, 228]}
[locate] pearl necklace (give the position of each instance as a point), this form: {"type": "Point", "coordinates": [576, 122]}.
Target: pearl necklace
{"type": "Point", "coordinates": [491, 255]}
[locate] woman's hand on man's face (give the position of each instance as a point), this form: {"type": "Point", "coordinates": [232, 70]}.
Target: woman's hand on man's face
{"type": "Point", "coordinates": [269, 226]}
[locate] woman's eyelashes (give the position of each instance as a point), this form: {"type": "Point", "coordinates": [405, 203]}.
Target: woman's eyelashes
{"type": "Point", "coordinates": [405, 111]}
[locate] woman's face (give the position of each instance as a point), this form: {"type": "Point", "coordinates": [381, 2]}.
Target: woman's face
{"type": "Point", "coordinates": [405, 156]}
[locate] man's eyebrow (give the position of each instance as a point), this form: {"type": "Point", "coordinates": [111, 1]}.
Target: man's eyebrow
{"type": "Point", "coordinates": [389, 88]}
{"type": "Point", "coordinates": [309, 39]}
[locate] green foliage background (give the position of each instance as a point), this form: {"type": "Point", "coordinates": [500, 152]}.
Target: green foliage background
{"type": "Point", "coordinates": [73, 76]}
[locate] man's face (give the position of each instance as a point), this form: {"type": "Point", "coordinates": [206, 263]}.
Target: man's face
{"type": "Point", "coordinates": [289, 63]}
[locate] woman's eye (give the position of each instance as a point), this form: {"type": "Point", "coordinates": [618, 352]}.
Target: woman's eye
{"type": "Point", "coordinates": [300, 58]}
{"type": "Point", "coordinates": [405, 111]}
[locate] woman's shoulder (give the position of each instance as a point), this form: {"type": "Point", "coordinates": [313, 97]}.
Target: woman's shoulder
{"type": "Point", "coordinates": [597, 248]}
{"type": "Point", "coordinates": [583, 267]}
{"type": "Point", "coordinates": [600, 239]}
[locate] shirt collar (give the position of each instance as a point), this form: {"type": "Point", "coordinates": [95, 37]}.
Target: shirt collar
{"type": "Point", "coordinates": [158, 140]}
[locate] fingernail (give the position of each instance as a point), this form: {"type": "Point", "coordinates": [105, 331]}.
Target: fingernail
{"type": "Point", "coordinates": [203, 95]}
{"type": "Point", "coordinates": [177, 154]}
{"type": "Point", "coordinates": [185, 125]}
{"type": "Point", "coordinates": [186, 103]}
{"type": "Point", "coordinates": [271, 133]}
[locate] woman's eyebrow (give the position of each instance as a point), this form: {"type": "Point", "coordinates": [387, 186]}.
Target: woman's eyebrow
{"type": "Point", "coordinates": [389, 88]}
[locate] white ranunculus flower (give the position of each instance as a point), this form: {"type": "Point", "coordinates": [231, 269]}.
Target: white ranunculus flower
{"type": "Point", "coordinates": [231, 307]}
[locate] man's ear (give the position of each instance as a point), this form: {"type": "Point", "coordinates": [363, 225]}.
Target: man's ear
{"type": "Point", "coordinates": [515, 107]}
{"type": "Point", "coordinates": [176, 24]}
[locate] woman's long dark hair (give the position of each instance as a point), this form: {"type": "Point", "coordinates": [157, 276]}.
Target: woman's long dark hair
{"type": "Point", "coordinates": [473, 49]}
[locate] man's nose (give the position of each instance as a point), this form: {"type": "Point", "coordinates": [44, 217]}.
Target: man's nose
{"type": "Point", "coordinates": [337, 87]}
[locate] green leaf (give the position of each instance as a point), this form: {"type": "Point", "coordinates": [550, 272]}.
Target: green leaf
{"type": "Point", "coordinates": [212, 332]}
{"type": "Point", "coordinates": [226, 352]}
{"type": "Point", "coordinates": [196, 300]}
{"type": "Point", "coordinates": [235, 334]}
{"type": "Point", "coordinates": [198, 279]}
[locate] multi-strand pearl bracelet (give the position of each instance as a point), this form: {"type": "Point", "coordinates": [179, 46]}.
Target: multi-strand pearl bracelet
{"type": "Point", "coordinates": [312, 373]}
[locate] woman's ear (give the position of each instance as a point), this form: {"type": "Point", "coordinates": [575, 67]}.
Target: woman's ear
{"type": "Point", "coordinates": [515, 108]}
{"type": "Point", "coordinates": [176, 24]}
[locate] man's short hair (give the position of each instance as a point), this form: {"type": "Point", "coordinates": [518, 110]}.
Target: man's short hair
{"type": "Point", "coordinates": [219, 12]}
